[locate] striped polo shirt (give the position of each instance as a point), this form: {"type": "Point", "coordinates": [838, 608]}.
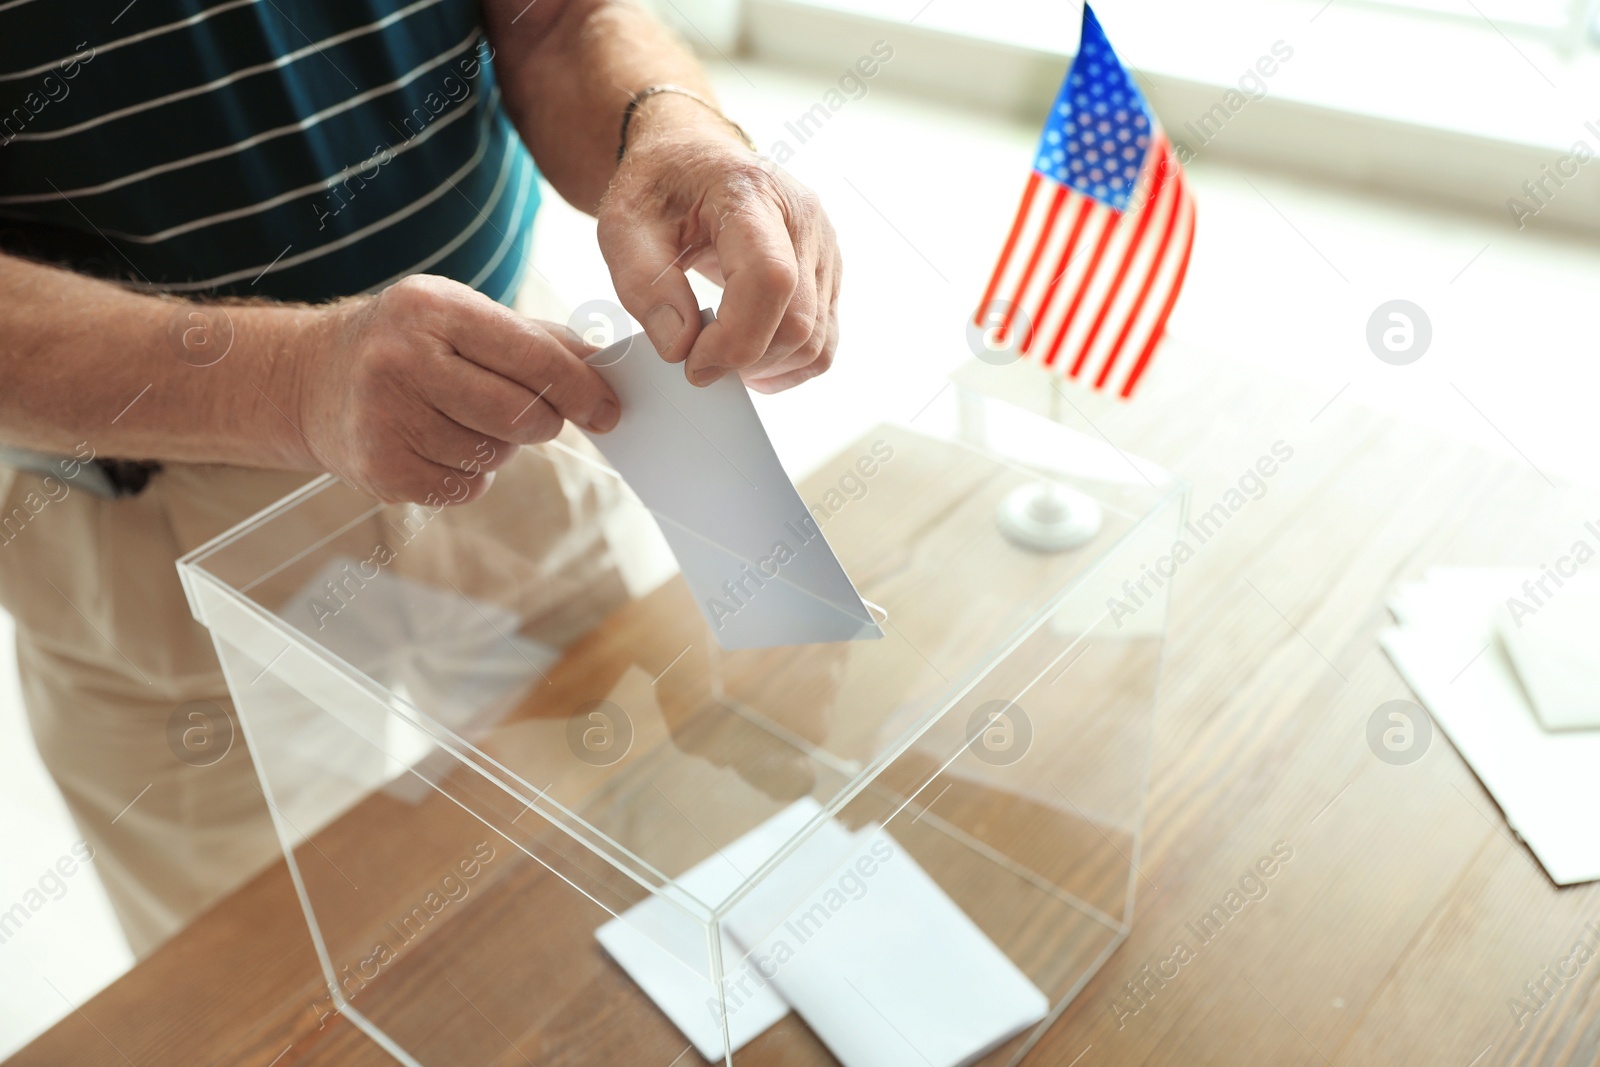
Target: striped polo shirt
{"type": "Point", "coordinates": [288, 149]}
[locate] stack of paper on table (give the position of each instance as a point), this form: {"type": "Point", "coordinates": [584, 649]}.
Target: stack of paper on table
{"type": "Point", "coordinates": [1545, 781]}
{"type": "Point", "coordinates": [848, 931]}
{"type": "Point", "coordinates": [1552, 635]}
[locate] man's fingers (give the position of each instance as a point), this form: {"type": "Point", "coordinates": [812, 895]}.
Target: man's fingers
{"type": "Point", "coordinates": [786, 380]}
{"type": "Point", "coordinates": [548, 366]}
{"type": "Point", "coordinates": [649, 275]}
{"type": "Point", "coordinates": [447, 460]}
{"type": "Point", "coordinates": [426, 481]}
{"type": "Point", "coordinates": [816, 354]}
{"type": "Point", "coordinates": [835, 281]}
{"type": "Point", "coordinates": [440, 439]}
{"type": "Point", "coordinates": [827, 344]}
{"type": "Point", "coordinates": [764, 291]}
{"type": "Point", "coordinates": [490, 404]}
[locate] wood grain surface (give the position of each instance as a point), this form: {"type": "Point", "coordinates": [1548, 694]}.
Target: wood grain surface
{"type": "Point", "coordinates": [1399, 920]}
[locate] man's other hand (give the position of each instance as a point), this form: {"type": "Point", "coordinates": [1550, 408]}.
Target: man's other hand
{"type": "Point", "coordinates": [408, 391]}
{"type": "Point", "coordinates": [689, 195]}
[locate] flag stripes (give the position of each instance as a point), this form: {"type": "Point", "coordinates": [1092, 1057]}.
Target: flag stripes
{"type": "Point", "coordinates": [1100, 245]}
{"type": "Point", "coordinates": [1112, 277]}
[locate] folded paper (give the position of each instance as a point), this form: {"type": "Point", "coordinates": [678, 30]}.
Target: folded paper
{"type": "Point", "coordinates": [756, 561]}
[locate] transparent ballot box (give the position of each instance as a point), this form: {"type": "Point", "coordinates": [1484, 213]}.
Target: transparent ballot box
{"type": "Point", "coordinates": [535, 812]}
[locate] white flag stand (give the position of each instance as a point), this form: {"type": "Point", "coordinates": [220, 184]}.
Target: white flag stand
{"type": "Point", "coordinates": [1042, 516]}
{"type": "Point", "coordinates": [1045, 516]}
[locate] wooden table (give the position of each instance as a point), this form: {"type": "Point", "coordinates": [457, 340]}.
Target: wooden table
{"type": "Point", "coordinates": [1397, 932]}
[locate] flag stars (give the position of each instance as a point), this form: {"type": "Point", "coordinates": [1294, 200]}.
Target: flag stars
{"type": "Point", "coordinates": [1099, 130]}
{"type": "Point", "coordinates": [1098, 144]}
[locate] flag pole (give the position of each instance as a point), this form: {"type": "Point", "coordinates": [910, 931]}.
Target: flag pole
{"type": "Point", "coordinates": [1045, 516]}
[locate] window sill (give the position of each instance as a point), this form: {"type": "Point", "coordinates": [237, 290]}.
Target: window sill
{"type": "Point", "coordinates": [1410, 104]}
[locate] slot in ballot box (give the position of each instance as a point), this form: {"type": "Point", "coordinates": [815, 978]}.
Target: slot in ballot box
{"type": "Point", "coordinates": [534, 812]}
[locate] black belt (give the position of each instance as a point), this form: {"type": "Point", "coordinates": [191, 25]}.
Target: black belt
{"type": "Point", "coordinates": [109, 478]}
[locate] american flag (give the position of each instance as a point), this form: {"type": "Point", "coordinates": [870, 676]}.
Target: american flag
{"type": "Point", "coordinates": [1096, 257]}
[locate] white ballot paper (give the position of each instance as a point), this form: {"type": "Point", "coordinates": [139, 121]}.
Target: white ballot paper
{"type": "Point", "coordinates": [760, 570]}
{"type": "Point", "coordinates": [1554, 649]}
{"type": "Point", "coordinates": [1446, 648]}
{"type": "Point", "coordinates": [665, 951]}
{"type": "Point", "coordinates": [849, 931]}
{"type": "Point", "coordinates": [880, 963]}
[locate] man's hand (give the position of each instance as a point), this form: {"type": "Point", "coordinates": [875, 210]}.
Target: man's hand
{"type": "Point", "coordinates": [411, 389]}
{"type": "Point", "coordinates": [689, 195]}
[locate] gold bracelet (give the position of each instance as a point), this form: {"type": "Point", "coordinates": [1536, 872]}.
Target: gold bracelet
{"type": "Point", "coordinates": [646, 93]}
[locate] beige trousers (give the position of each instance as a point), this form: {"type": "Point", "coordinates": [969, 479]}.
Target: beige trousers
{"type": "Point", "coordinates": [108, 652]}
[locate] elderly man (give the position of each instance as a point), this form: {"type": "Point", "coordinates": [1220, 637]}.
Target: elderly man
{"type": "Point", "coordinates": [244, 240]}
